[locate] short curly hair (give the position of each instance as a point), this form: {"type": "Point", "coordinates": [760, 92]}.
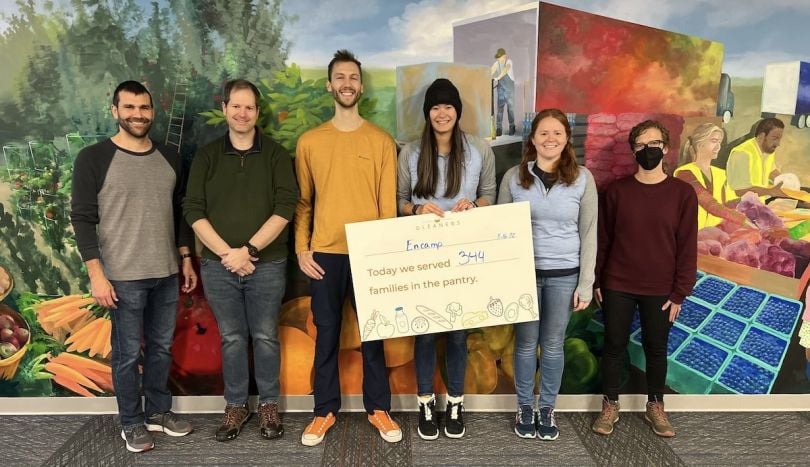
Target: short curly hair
{"type": "Point", "coordinates": [644, 126]}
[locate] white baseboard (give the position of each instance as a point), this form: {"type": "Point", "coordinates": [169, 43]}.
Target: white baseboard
{"type": "Point", "coordinates": [472, 403]}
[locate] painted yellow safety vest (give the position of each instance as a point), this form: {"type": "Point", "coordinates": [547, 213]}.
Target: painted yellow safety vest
{"type": "Point", "coordinates": [720, 191]}
{"type": "Point", "coordinates": [759, 168]}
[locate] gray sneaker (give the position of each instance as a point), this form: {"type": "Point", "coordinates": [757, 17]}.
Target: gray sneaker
{"type": "Point", "coordinates": [169, 423]}
{"type": "Point", "coordinates": [137, 438]}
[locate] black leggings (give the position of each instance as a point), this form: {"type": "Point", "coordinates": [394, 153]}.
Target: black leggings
{"type": "Point", "coordinates": [619, 308]}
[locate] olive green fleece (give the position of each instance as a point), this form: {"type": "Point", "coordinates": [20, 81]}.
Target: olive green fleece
{"type": "Point", "coordinates": [238, 193]}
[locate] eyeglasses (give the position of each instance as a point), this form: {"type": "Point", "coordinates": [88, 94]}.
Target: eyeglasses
{"type": "Point", "coordinates": [657, 143]}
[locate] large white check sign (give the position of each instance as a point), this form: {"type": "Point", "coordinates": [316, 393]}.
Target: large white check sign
{"type": "Point", "coordinates": [425, 274]}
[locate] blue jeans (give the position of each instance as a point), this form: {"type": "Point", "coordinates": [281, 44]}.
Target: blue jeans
{"type": "Point", "coordinates": [555, 297]}
{"type": "Point", "coordinates": [506, 98]}
{"type": "Point", "coordinates": [147, 312]}
{"type": "Point", "coordinates": [247, 307]}
{"type": "Point", "coordinates": [456, 360]}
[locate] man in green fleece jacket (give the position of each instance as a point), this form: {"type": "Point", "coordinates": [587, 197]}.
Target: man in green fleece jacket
{"type": "Point", "coordinates": [240, 197]}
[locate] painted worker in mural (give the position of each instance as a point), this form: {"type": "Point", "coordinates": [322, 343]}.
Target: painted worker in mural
{"type": "Point", "coordinates": [504, 76]}
{"type": "Point", "coordinates": [126, 213]}
{"type": "Point", "coordinates": [563, 202]}
{"type": "Point", "coordinates": [241, 195]}
{"type": "Point", "coordinates": [751, 165]}
{"type": "Point", "coordinates": [715, 197]}
{"type": "Point", "coordinates": [445, 170]}
{"type": "Point", "coordinates": [646, 260]}
{"type": "Point", "coordinates": [346, 171]}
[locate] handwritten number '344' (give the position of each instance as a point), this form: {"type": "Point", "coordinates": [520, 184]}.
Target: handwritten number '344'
{"type": "Point", "coordinates": [470, 257]}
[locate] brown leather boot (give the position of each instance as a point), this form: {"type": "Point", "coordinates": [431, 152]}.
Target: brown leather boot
{"type": "Point", "coordinates": [270, 425]}
{"type": "Point", "coordinates": [609, 416]}
{"type": "Point", "coordinates": [658, 420]}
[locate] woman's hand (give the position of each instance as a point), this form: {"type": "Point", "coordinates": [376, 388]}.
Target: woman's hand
{"type": "Point", "coordinates": [580, 305]}
{"type": "Point", "coordinates": [462, 205]}
{"type": "Point", "coordinates": [430, 208]}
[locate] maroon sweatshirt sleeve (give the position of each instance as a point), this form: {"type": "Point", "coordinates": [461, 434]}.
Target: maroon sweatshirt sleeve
{"type": "Point", "coordinates": [605, 234]}
{"type": "Point", "coordinates": [686, 255]}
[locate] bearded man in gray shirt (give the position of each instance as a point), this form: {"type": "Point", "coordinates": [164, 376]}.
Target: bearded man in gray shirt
{"type": "Point", "coordinates": [127, 218]}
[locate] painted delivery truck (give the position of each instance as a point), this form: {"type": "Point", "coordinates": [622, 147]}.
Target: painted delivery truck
{"type": "Point", "coordinates": [786, 91]}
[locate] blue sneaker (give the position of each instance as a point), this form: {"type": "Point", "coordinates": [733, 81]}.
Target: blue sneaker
{"type": "Point", "coordinates": [546, 425]}
{"type": "Point", "coordinates": [524, 422]}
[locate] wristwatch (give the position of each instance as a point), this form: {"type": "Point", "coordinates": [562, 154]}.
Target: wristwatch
{"type": "Point", "coordinates": [414, 208]}
{"type": "Point", "coordinates": [252, 250]}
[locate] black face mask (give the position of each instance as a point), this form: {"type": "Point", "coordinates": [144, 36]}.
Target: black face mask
{"type": "Point", "coordinates": [649, 158]}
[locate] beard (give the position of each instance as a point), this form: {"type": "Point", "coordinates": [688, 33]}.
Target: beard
{"type": "Point", "coordinates": [338, 98]}
{"type": "Point", "coordinates": [126, 125]}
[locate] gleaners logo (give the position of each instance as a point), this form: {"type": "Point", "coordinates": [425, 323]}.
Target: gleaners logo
{"type": "Point", "coordinates": [438, 224]}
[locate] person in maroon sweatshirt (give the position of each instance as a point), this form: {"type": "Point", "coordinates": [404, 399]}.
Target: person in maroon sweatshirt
{"type": "Point", "coordinates": [646, 259]}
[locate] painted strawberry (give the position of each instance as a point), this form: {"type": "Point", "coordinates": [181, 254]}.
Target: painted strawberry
{"type": "Point", "coordinates": [495, 306]}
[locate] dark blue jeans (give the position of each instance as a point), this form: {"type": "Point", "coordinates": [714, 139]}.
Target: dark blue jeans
{"type": "Point", "coordinates": [247, 307]}
{"type": "Point", "coordinates": [455, 359]}
{"type": "Point", "coordinates": [147, 312]}
{"type": "Point", "coordinates": [328, 295]}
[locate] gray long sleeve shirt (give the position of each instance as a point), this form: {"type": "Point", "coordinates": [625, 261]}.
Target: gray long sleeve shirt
{"type": "Point", "coordinates": [564, 223]}
{"type": "Point", "coordinates": [478, 179]}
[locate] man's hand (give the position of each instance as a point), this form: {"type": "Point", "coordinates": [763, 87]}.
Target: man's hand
{"type": "Point", "coordinates": [308, 265]}
{"type": "Point", "coordinates": [189, 276]}
{"type": "Point", "coordinates": [674, 309]}
{"type": "Point", "coordinates": [103, 291]}
{"type": "Point", "coordinates": [580, 305]}
{"type": "Point", "coordinates": [238, 261]}
{"type": "Point", "coordinates": [775, 191]}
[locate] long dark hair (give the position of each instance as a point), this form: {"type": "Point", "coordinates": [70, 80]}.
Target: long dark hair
{"type": "Point", "coordinates": [427, 167]}
{"type": "Point", "coordinates": [566, 169]}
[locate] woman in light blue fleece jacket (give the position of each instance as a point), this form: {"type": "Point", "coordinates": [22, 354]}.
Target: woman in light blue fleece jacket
{"type": "Point", "coordinates": [445, 170]}
{"type": "Point", "coordinates": [563, 201]}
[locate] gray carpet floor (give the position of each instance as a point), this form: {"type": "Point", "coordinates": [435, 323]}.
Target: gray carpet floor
{"type": "Point", "coordinates": [738, 439]}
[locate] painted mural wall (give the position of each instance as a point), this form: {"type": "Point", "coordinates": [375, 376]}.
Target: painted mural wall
{"type": "Point", "coordinates": [742, 331]}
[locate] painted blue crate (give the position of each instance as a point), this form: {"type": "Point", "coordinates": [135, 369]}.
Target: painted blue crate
{"type": "Point", "coordinates": [744, 302]}
{"type": "Point", "coordinates": [742, 375]}
{"type": "Point", "coordinates": [724, 329]}
{"type": "Point", "coordinates": [635, 348]}
{"type": "Point", "coordinates": [692, 314]}
{"type": "Point", "coordinates": [700, 275]}
{"type": "Point", "coordinates": [779, 314]}
{"type": "Point", "coordinates": [677, 336]}
{"type": "Point", "coordinates": [764, 346]}
{"type": "Point", "coordinates": [712, 289]}
{"type": "Point", "coordinates": [694, 367]}
{"type": "Point", "coordinates": [702, 356]}
{"type": "Point", "coordinates": [635, 325]}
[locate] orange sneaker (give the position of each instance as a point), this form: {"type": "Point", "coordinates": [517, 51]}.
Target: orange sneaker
{"type": "Point", "coordinates": [388, 428]}
{"type": "Point", "coordinates": [316, 430]}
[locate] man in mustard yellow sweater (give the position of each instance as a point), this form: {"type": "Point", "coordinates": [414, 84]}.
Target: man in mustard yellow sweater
{"type": "Point", "coordinates": [346, 170]}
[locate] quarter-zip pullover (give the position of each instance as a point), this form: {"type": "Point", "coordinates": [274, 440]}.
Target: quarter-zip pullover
{"type": "Point", "coordinates": [257, 181]}
{"type": "Point", "coordinates": [564, 223]}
